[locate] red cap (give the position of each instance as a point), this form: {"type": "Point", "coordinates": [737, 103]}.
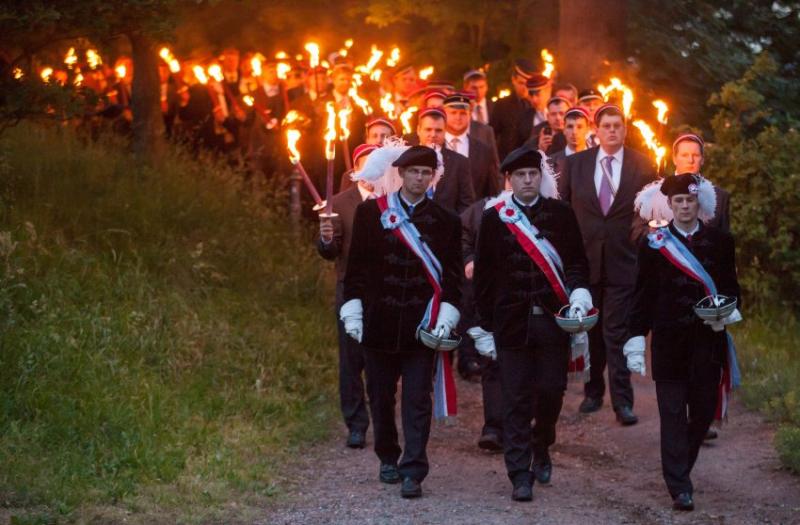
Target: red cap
{"type": "Point", "coordinates": [689, 137]}
{"type": "Point", "coordinates": [380, 121]}
{"type": "Point", "coordinates": [435, 94]}
{"type": "Point", "coordinates": [559, 99]}
{"type": "Point", "coordinates": [605, 108]}
{"type": "Point", "coordinates": [432, 112]}
{"type": "Point", "coordinates": [363, 149]}
{"type": "Point", "coordinates": [577, 111]}
{"type": "Point", "coordinates": [536, 81]}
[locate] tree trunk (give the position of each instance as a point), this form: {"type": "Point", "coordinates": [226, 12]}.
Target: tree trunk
{"type": "Point", "coordinates": [590, 35]}
{"type": "Point", "coordinates": [148, 124]}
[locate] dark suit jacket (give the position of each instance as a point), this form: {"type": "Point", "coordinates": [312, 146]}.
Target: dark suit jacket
{"type": "Point", "coordinates": [683, 347]}
{"type": "Point", "coordinates": [508, 282]}
{"type": "Point", "coordinates": [455, 191]}
{"type": "Point", "coordinates": [610, 240]}
{"type": "Point", "coordinates": [484, 171]}
{"type": "Point", "coordinates": [485, 134]}
{"type": "Point", "coordinates": [344, 204]}
{"type": "Point", "coordinates": [506, 119]}
{"type": "Point", "coordinates": [389, 278]}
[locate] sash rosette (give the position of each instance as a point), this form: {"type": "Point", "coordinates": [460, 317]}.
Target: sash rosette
{"type": "Point", "coordinates": [395, 219]}
{"type": "Point", "coordinates": [663, 241]}
{"type": "Point", "coordinates": [546, 257]}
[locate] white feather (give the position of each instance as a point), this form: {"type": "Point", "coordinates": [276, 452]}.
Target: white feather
{"type": "Point", "coordinates": [502, 197]}
{"type": "Point", "coordinates": [549, 185]}
{"type": "Point", "coordinates": [707, 198]}
{"type": "Point", "coordinates": [378, 169]}
{"type": "Point", "coordinates": [652, 204]}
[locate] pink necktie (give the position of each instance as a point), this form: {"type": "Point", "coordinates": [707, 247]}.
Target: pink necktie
{"type": "Point", "coordinates": [605, 185]}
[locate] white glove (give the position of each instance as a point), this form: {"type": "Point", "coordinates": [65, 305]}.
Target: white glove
{"type": "Point", "coordinates": [719, 326]}
{"type": "Point", "coordinates": [580, 302]}
{"type": "Point", "coordinates": [352, 315]}
{"type": "Point", "coordinates": [484, 342]}
{"type": "Point", "coordinates": [447, 320]}
{"type": "Point", "coordinates": [634, 353]}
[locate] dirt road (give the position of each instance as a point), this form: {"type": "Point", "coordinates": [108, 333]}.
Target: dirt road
{"type": "Point", "coordinates": [603, 474]}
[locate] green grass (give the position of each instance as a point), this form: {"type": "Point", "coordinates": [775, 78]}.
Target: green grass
{"type": "Point", "coordinates": [768, 344]}
{"type": "Point", "coordinates": [166, 345]}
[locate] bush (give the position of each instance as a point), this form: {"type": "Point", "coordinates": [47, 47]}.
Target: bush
{"type": "Point", "coordinates": [787, 441]}
{"type": "Point", "coordinates": [164, 345]}
{"type": "Point", "coordinates": [754, 156]}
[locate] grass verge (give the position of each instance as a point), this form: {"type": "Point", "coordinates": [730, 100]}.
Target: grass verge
{"type": "Point", "coordinates": [166, 346]}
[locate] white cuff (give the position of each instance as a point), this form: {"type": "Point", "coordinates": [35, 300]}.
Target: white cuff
{"type": "Point", "coordinates": [352, 309]}
{"type": "Point", "coordinates": [581, 296]}
{"type": "Point", "coordinates": [449, 315]}
{"type": "Point", "coordinates": [634, 345]}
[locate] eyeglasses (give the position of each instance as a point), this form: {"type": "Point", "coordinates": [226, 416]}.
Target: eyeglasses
{"type": "Point", "coordinates": [419, 172]}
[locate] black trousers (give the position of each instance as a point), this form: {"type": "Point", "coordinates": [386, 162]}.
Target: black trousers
{"type": "Point", "coordinates": [352, 400]}
{"type": "Point", "coordinates": [466, 349]}
{"type": "Point", "coordinates": [533, 381]}
{"type": "Point", "coordinates": [606, 340]}
{"type": "Point", "coordinates": [415, 367]}
{"type": "Point", "coordinates": [492, 397]}
{"type": "Point", "coordinates": [686, 410]}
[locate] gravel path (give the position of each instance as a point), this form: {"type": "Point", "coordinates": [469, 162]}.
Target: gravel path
{"type": "Point", "coordinates": [603, 474]}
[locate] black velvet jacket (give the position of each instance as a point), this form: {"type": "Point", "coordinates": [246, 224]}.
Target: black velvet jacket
{"type": "Point", "coordinates": [390, 280]}
{"type": "Point", "coordinates": [508, 283]}
{"type": "Point", "coordinates": [683, 347]}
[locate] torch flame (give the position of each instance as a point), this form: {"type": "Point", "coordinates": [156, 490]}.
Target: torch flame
{"type": "Point", "coordinates": [248, 100]}
{"type": "Point", "coordinates": [291, 117]}
{"type": "Point", "coordinates": [255, 63]}
{"type": "Point", "coordinates": [353, 94]}
{"type": "Point", "coordinates": [650, 139]}
{"type": "Point", "coordinates": [78, 79]}
{"type": "Point", "coordinates": [394, 57]}
{"type": "Point", "coordinates": [46, 73]}
{"type": "Point", "coordinates": [348, 43]}
{"type": "Point", "coordinates": [313, 52]}
{"type": "Point", "coordinates": [426, 72]}
{"type": "Point", "coordinates": [617, 85]}
{"type": "Point", "coordinates": [549, 63]}
{"type": "Point", "coordinates": [388, 106]}
{"type": "Point", "coordinates": [330, 132]}
{"type": "Point", "coordinates": [405, 119]}
{"type": "Point", "coordinates": [215, 72]}
{"type": "Point", "coordinates": [292, 136]}
{"type": "Point", "coordinates": [121, 71]}
{"type": "Point", "coordinates": [662, 108]}
{"type": "Point", "coordinates": [282, 55]}
{"type": "Point", "coordinates": [71, 59]}
{"type": "Point", "coordinates": [502, 94]}
{"type": "Point", "coordinates": [344, 116]}
{"type": "Point", "coordinates": [18, 74]}
{"type": "Point", "coordinates": [200, 74]}
{"type": "Point", "coordinates": [167, 56]}
{"type": "Point", "coordinates": [93, 58]}
{"type": "Point", "coordinates": [283, 69]}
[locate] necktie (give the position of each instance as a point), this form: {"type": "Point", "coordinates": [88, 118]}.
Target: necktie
{"type": "Point", "coordinates": [481, 117]}
{"type": "Point", "coordinates": [606, 192]}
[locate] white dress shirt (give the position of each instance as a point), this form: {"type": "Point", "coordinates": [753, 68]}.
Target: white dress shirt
{"type": "Point", "coordinates": [365, 193]}
{"type": "Point", "coordinates": [569, 151]}
{"type": "Point", "coordinates": [463, 143]}
{"type": "Point", "coordinates": [481, 110]}
{"type": "Point", "coordinates": [616, 171]}
{"type": "Point", "coordinates": [687, 234]}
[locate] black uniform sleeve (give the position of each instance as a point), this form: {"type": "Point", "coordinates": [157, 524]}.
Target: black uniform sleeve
{"type": "Point", "coordinates": [565, 177]}
{"type": "Point", "coordinates": [728, 284]}
{"type": "Point", "coordinates": [355, 277]}
{"type": "Point", "coordinates": [452, 268]}
{"type": "Point", "coordinates": [485, 267]}
{"type": "Point", "coordinates": [466, 192]}
{"type": "Point", "coordinates": [470, 220]}
{"type": "Point", "coordinates": [640, 313]}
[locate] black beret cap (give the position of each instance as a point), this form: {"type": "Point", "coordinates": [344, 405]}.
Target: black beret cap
{"type": "Point", "coordinates": [682, 184]}
{"type": "Point", "coordinates": [523, 157]}
{"type": "Point", "coordinates": [416, 156]}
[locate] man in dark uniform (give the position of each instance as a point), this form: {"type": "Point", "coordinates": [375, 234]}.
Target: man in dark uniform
{"type": "Point", "coordinates": [600, 184]}
{"type": "Point", "coordinates": [517, 300]}
{"type": "Point", "coordinates": [539, 89]}
{"type": "Point", "coordinates": [334, 245]}
{"type": "Point", "coordinates": [388, 296]}
{"type": "Point", "coordinates": [689, 355]}
{"type": "Point", "coordinates": [507, 113]}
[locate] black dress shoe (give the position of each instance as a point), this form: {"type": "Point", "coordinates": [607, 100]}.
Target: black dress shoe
{"type": "Point", "coordinates": [471, 371]}
{"type": "Point", "coordinates": [389, 474]}
{"type": "Point", "coordinates": [411, 488]}
{"type": "Point", "coordinates": [683, 501]}
{"type": "Point", "coordinates": [590, 404]}
{"type": "Point", "coordinates": [542, 467]}
{"type": "Point", "coordinates": [711, 434]}
{"type": "Point", "coordinates": [522, 492]}
{"type": "Point", "coordinates": [490, 441]}
{"type": "Point", "coordinates": [626, 416]}
{"type": "Point", "coordinates": [356, 439]}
